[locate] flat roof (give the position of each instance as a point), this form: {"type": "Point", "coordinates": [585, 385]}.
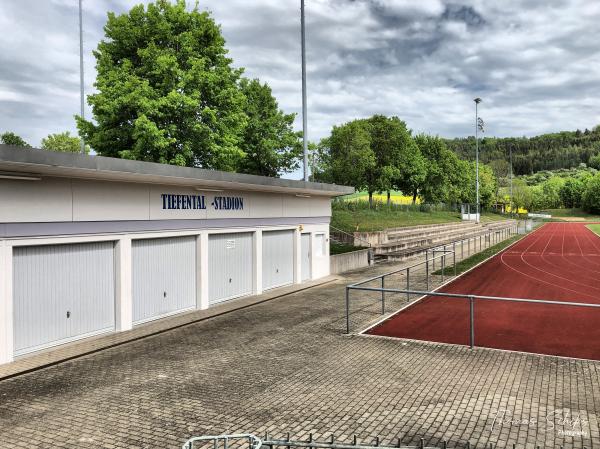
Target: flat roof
{"type": "Point", "coordinates": [40, 163]}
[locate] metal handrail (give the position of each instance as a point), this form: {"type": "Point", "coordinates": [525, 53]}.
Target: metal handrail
{"type": "Point", "coordinates": [312, 443]}
{"type": "Point", "coordinates": [351, 235]}
{"type": "Point", "coordinates": [508, 231]}
{"type": "Point", "coordinates": [382, 277]}
{"type": "Point", "coordinates": [253, 441]}
{"type": "Point", "coordinates": [471, 299]}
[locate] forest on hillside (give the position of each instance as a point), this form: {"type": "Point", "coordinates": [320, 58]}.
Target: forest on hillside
{"type": "Point", "coordinates": [554, 151]}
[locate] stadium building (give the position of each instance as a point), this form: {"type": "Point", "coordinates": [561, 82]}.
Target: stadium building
{"type": "Point", "coordinates": [92, 245]}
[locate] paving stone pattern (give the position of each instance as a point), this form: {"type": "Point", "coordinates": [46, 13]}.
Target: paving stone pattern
{"type": "Point", "coordinates": [286, 366]}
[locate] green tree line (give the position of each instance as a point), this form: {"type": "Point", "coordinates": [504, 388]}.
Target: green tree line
{"type": "Point", "coordinates": [380, 154]}
{"type": "Point", "coordinates": [561, 189]}
{"type": "Point", "coordinates": [532, 154]}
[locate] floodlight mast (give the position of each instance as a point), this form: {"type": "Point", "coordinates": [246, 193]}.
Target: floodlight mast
{"type": "Point", "coordinates": [477, 101]}
{"type": "Point", "coordinates": [511, 182]}
{"type": "Point", "coordinates": [81, 69]}
{"type": "Point", "coordinates": [304, 117]}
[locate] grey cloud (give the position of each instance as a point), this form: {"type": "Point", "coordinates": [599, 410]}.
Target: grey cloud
{"type": "Point", "coordinates": [536, 64]}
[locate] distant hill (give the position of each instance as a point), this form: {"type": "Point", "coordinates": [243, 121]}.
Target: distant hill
{"type": "Point", "coordinates": [565, 149]}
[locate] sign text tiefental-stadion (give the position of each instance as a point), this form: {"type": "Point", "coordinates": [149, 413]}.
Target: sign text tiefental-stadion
{"type": "Point", "coordinates": [175, 201]}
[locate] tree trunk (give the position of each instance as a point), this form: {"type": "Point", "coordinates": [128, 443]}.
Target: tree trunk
{"type": "Point", "coordinates": [370, 200]}
{"type": "Point", "coordinates": [389, 201]}
{"type": "Point", "coordinates": [414, 200]}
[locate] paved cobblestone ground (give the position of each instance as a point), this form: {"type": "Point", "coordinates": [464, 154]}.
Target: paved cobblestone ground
{"type": "Point", "coordinates": [285, 365]}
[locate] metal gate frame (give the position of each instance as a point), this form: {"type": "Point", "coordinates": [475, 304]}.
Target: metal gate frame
{"type": "Point", "coordinates": [250, 441]}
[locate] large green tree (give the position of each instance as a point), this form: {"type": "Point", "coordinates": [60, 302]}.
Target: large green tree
{"type": "Point", "coordinates": [269, 142]}
{"type": "Point", "coordinates": [522, 195]}
{"type": "Point", "coordinates": [167, 91]}
{"type": "Point", "coordinates": [10, 138]}
{"type": "Point", "coordinates": [63, 142]}
{"type": "Point", "coordinates": [445, 173]}
{"type": "Point", "coordinates": [400, 164]}
{"type": "Point", "coordinates": [487, 184]}
{"type": "Point", "coordinates": [571, 192]}
{"type": "Point", "coordinates": [591, 195]}
{"type": "Point", "coordinates": [350, 159]}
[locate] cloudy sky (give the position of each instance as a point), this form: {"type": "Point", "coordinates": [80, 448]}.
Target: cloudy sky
{"type": "Point", "coordinates": [536, 64]}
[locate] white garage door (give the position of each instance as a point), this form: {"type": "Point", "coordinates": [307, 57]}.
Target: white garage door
{"type": "Point", "coordinates": [61, 293]}
{"type": "Point", "coordinates": [306, 254]}
{"type": "Point", "coordinates": [230, 266]}
{"type": "Point", "coordinates": [277, 258]}
{"type": "Point", "coordinates": [163, 277]}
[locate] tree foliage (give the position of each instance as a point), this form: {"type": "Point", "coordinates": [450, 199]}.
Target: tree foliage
{"type": "Point", "coordinates": [571, 193]}
{"type": "Point", "coordinates": [377, 154]}
{"type": "Point", "coordinates": [348, 157]}
{"type": "Point", "coordinates": [446, 176]}
{"type": "Point", "coordinates": [10, 138]}
{"type": "Point", "coordinates": [591, 195]}
{"type": "Point", "coordinates": [269, 143]}
{"type": "Point", "coordinates": [63, 142]}
{"type": "Point", "coordinates": [532, 154]}
{"type": "Point", "coordinates": [594, 161]}
{"type": "Point", "coordinates": [167, 91]}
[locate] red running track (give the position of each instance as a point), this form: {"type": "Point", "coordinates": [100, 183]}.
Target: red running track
{"type": "Point", "coordinates": [559, 261]}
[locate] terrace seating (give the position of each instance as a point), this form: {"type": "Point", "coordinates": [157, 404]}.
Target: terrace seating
{"type": "Point", "coordinates": [415, 241]}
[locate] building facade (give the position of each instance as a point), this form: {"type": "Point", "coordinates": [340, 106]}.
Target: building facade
{"type": "Point", "coordinates": [90, 245]}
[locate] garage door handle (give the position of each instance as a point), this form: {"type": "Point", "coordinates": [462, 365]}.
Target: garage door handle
{"type": "Point", "coordinates": [68, 314]}
{"type": "Point", "coordinates": [230, 280]}
{"type": "Point", "coordinates": [277, 270]}
{"type": "Point", "coordinates": [164, 294]}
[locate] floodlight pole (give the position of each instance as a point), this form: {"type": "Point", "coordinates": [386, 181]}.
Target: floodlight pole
{"type": "Point", "coordinates": [304, 118]}
{"type": "Point", "coordinates": [81, 69]}
{"type": "Point", "coordinates": [511, 182]}
{"type": "Point", "coordinates": [477, 101]}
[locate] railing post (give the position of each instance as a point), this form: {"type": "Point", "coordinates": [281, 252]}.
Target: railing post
{"type": "Point", "coordinates": [407, 284]}
{"type": "Point", "coordinates": [347, 310]}
{"type": "Point", "coordinates": [382, 295]}
{"type": "Point", "coordinates": [427, 272]}
{"type": "Point", "coordinates": [443, 265]}
{"type": "Point", "coordinates": [454, 262]}
{"type": "Point", "coordinates": [472, 321]}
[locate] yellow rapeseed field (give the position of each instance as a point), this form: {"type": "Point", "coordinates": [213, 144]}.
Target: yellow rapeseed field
{"type": "Point", "coordinates": [382, 198]}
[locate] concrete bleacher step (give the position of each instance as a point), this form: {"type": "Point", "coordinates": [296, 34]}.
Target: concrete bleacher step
{"type": "Point", "coordinates": [395, 236]}
{"type": "Point", "coordinates": [418, 247]}
{"type": "Point", "coordinates": [415, 243]}
{"type": "Point", "coordinates": [422, 239]}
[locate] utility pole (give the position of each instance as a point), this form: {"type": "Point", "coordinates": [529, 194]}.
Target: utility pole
{"type": "Point", "coordinates": [304, 118]}
{"type": "Point", "coordinates": [511, 182]}
{"type": "Point", "coordinates": [477, 101]}
{"type": "Point", "coordinates": [81, 69]}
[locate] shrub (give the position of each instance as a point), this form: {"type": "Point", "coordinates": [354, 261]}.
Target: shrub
{"type": "Point", "coordinates": [591, 195]}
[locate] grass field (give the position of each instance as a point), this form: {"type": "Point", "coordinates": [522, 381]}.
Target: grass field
{"type": "Point", "coordinates": [366, 220]}
{"type": "Point", "coordinates": [595, 228]}
{"type": "Point", "coordinates": [470, 262]}
{"type": "Point", "coordinates": [572, 214]}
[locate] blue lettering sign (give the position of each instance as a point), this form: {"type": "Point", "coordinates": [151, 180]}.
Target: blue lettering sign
{"type": "Point", "coordinates": [171, 201]}
{"type": "Point", "coordinates": [228, 203]}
